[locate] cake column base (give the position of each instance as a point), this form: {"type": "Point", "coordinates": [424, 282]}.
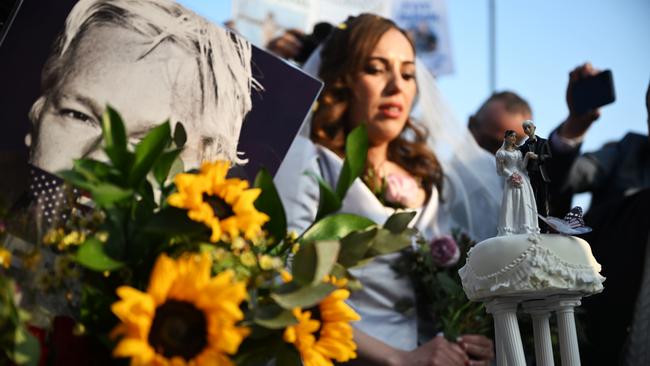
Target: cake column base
{"type": "Point", "coordinates": [540, 312]}
{"type": "Point", "coordinates": [569, 352]}
{"type": "Point", "coordinates": [510, 350]}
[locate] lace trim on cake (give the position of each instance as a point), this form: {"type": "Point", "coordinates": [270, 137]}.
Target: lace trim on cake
{"type": "Point", "coordinates": [536, 269]}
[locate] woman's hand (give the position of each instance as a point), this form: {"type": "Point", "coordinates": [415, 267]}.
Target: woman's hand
{"type": "Point", "coordinates": [436, 352]}
{"type": "Point", "coordinates": [515, 180]}
{"type": "Point", "coordinates": [478, 347]}
{"type": "Point", "coordinates": [531, 155]}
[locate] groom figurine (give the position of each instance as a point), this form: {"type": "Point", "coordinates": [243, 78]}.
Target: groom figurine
{"type": "Point", "coordinates": [536, 168]}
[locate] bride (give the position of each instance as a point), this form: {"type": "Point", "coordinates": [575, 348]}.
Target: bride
{"type": "Point", "coordinates": [370, 76]}
{"type": "Point", "coordinates": [518, 210]}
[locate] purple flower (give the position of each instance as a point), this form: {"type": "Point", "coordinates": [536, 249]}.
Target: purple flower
{"type": "Point", "coordinates": [444, 251]}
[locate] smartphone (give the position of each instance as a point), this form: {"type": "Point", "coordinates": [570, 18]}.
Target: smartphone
{"type": "Point", "coordinates": [593, 92]}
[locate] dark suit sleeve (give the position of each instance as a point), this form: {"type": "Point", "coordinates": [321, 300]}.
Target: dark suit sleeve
{"type": "Point", "coordinates": [558, 169]}
{"type": "Point", "coordinates": [545, 152]}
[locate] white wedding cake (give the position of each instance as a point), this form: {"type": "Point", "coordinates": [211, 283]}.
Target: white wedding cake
{"type": "Point", "coordinates": [530, 264]}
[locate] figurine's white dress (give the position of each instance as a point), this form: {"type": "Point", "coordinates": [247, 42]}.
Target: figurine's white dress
{"type": "Point", "coordinates": [518, 209]}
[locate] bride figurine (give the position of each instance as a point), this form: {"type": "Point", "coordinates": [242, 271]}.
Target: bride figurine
{"type": "Point", "coordinates": [518, 209]}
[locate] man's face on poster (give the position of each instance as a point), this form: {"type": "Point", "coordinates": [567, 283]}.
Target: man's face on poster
{"type": "Point", "coordinates": [116, 66]}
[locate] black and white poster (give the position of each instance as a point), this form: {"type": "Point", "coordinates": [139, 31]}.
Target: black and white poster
{"type": "Point", "coordinates": [62, 62]}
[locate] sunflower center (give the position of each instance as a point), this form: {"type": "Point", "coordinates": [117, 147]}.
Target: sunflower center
{"type": "Point", "coordinates": [221, 209]}
{"type": "Point", "coordinates": [179, 329]}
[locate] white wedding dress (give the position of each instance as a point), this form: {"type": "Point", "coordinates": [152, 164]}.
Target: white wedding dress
{"type": "Point", "coordinates": [518, 213]}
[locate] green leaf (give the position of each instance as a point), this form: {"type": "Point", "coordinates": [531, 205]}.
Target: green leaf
{"type": "Point", "coordinates": [304, 297]}
{"type": "Point", "coordinates": [91, 255]}
{"type": "Point", "coordinates": [255, 353]}
{"type": "Point", "coordinates": [174, 221]}
{"type": "Point", "coordinates": [356, 152]}
{"type": "Point", "coordinates": [26, 349]}
{"type": "Point", "coordinates": [113, 129]}
{"type": "Point", "coordinates": [147, 152]}
{"type": "Point", "coordinates": [314, 261]}
{"type": "Point", "coordinates": [281, 320]}
{"type": "Point", "coordinates": [327, 253]}
{"type": "Point", "coordinates": [386, 242]}
{"type": "Point", "coordinates": [180, 136]}
{"type": "Point", "coordinates": [115, 139]}
{"type": "Point", "coordinates": [164, 164]}
{"type": "Point", "coordinates": [399, 221]}
{"type": "Point", "coordinates": [355, 245]}
{"type": "Point", "coordinates": [288, 356]}
{"type": "Point", "coordinates": [76, 179]}
{"type": "Point", "coordinates": [335, 227]}
{"type": "Point", "coordinates": [92, 170]}
{"type": "Point", "coordinates": [269, 202]}
{"type": "Point", "coordinates": [106, 194]}
{"type": "Point", "coordinates": [450, 286]}
{"type": "Point", "coordinates": [328, 201]}
{"type": "Point", "coordinates": [304, 263]}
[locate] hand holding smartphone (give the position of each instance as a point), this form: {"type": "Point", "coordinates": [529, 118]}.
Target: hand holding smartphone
{"type": "Point", "coordinates": [593, 92]}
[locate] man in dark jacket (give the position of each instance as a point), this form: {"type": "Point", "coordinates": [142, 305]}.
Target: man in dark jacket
{"type": "Point", "coordinates": [536, 166]}
{"type": "Point", "coordinates": [618, 176]}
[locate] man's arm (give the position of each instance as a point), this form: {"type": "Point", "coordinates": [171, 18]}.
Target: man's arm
{"type": "Point", "coordinates": [564, 146]}
{"type": "Point", "coordinates": [545, 151]}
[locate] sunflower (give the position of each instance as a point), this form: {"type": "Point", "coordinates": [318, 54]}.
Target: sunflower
{"type": "Point", "coordinates": [186, 317]}
{"type": "Point", "coordinates": [5, 258]}
{"type": "Point", "coordinates": [331, 337]}
{"type": "Point", "coordinates": [224, 205]}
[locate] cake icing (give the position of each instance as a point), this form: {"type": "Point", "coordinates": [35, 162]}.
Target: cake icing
{"type": "Point", "coordinates": [530, 263]}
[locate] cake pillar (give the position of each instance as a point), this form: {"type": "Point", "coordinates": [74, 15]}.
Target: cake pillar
{"type": "Point", "coordinates": [540, 312]}
{"type": "Point", "coordinates": [500, 348]}
{"type": "Point", "coordinates": [569, 352]}
{"type": "Point", "coordinates": [504, 312]}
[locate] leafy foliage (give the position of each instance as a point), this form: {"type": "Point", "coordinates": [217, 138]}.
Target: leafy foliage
{"type": "Point", "coordinates": [17, 345]}
{"type": "Point", "coordinates": [442, 291]}
{"type": "Point", "coordinates": [131, 222]}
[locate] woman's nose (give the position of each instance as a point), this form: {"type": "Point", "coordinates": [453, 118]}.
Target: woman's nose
{"type": "Point", "coordinates": [395, 83]}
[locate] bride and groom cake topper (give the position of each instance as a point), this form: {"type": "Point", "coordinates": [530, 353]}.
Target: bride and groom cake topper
{"type": "Point", "coordinates": [525, 195]}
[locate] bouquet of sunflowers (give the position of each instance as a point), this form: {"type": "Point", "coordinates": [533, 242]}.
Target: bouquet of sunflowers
{"type": "Point", "coordinates": [191, 268]}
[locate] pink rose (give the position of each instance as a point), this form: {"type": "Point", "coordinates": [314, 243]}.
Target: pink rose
{"type": "Point", "coordinates": [401, 189]}
{"type": "Point", "coordinates": [444, 251]}
{"type": "Point", "coordinates": [516, 180]}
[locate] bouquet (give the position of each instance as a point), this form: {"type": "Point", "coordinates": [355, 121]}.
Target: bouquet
{"type": "Point", "coordinates": [434, 267]}
{"type": "Point", "coordinates": [190, 268]}
{"type": "Point", "coordinates": [515, 180]}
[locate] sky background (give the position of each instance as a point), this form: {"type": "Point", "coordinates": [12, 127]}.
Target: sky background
{"type": "Point", "coordinates": [537, 43]}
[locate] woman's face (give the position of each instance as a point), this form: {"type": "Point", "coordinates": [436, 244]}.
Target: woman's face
{"type": "Point", "coordinates": [384, 89]}
{"type": "Point", "coordinates": [511, 139]}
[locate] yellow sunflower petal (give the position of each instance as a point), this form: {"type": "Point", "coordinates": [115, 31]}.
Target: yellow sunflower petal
{"type": "Point", "coordinates": [162, 277]}
{"type": "Point", "coordinates": [210, 358]}
{"type": "Point", "coordinates": [5, 258]}
{"type": "Point", "coordinates": [135, 348]}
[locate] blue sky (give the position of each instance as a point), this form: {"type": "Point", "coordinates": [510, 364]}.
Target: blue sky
{"type": "Point", "coordinates": [538, 42]}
